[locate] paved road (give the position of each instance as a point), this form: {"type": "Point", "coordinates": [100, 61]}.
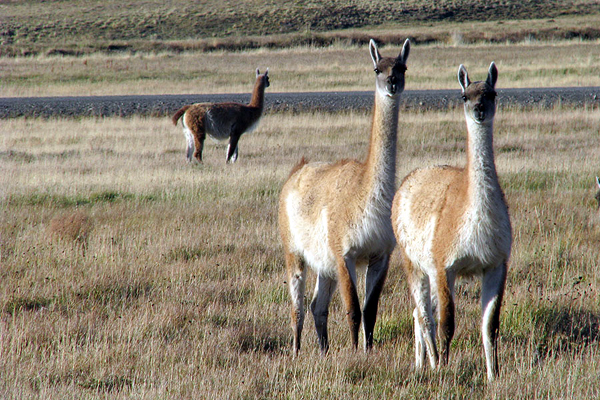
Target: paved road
{"type": "Point", "coordinates": [328, 101]}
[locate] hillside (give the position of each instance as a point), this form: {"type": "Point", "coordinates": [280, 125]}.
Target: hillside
{"type": "Point", "coordinates": [79, 27]}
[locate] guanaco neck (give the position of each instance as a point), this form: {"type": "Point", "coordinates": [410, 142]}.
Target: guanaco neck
{"type": "Point", "coordinates": [481, 168]}
{"type": "Point", "coordinates": [258, 94]}
{"type": "Point", "coordinates": [380, 165]}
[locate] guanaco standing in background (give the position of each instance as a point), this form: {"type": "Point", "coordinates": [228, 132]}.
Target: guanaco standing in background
{"type": "Point", "coordinates": [222, 121]}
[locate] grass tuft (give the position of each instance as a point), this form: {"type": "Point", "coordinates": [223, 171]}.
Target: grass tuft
{"type": "Point", "coordinates": [108, 384]}
{"type": "Point", "coordinates": [252, 339]}
{"type": "Point", "coordinates": [74, 227]}
{"type": "Point", "coordinates": [22, 304]}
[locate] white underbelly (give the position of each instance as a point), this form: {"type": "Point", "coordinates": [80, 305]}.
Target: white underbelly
{"type": "Point", "coordinates": [309, 239]}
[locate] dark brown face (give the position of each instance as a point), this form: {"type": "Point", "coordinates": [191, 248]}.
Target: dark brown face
{"type": "Point", "coordinates": [264, 77]}
{"type": "Point", "coordinates": [389, 71]}
{"type": "Point", "coordinates": [266, 80]}
{"type": "Point", "coordinates": [390, 76]}
{"type": "Point", "coordinates": [480, 102]}
{"type": "Point", "coordinates": [479, 97]}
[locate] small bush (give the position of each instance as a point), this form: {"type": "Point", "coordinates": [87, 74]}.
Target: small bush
{"type": "Point", "coordinates": [73, 227]}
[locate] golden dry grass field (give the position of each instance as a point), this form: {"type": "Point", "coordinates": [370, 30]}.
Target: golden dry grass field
{"type": "Point", "coordinates": [128, 273]}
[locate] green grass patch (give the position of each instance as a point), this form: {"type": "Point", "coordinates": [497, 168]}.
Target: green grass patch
{"type": "Point", "coordinates": [21, 304]}
{"type": "Point", "coordinates": [531, 181]}
{"type": "Point", "coordinates": [551, 329]}
{"type": "Point", "coordinates": [392, 329]}
{"type": "Point", "coordinates": [108, 384]}
{"type": "Point", "coordinates": [112, 295]}
{"type": "Point", "coordinates": [64, 201]}
{"type": "Point", "coordinates": [187, 253]}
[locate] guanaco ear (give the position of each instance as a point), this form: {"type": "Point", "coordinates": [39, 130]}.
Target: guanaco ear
{"type": "Point", "coordinates": [492, 75]}
{"type": "Point", "coordinates": [257, 72]}
{"type": "Point", "coordinates": [375, 56]}
{"type": "Point", "coordinates": [267, 71]}
{"type": "Point", "coordinates": [598, 182]}
{"type": "Point", "coordinates": [463, 78]}
{"type": "Point", "coordinates": [403, 56]}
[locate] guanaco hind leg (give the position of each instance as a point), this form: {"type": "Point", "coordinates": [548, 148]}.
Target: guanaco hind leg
{"type": "Point", "coordinates": [297, 284]}
{"type": "Point", "coordinates": [190, 144]}
{"type": "Point", "coordinates": [199, 143]}
{"type": "Point", "coordinates": [492, 291]}
{"type": "Point", "coordinates": [424, 321]}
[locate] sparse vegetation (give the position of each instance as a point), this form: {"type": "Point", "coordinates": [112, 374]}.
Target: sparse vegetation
{"type": "Point", "coordinates": [178, 294]}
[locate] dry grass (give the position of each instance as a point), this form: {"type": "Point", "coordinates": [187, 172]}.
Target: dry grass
{"type": "Point", "coordinates": [335, 68]}
{"type": "Point", "coordinates": [181, 292]}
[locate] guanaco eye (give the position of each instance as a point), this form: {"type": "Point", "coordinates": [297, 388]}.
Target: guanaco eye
{"type": "Point", "coordinates": [377, 71]}
{"type": "Point", "coordinates": [464, 97]}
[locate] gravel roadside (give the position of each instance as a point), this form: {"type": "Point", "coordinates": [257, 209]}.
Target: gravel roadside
{"type": "Point", "coordinates": [162, 105]}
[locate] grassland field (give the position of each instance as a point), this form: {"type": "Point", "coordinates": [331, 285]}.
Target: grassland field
{"type": "Point", "coordinates": [127, 273]}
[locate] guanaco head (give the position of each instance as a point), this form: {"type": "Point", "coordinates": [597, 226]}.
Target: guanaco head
{"type": "Point", "coordinates": [390, 71]}
{"type": "Point", "coordinates": [479, 97]}
{"type": "Point", "coordinates": [264, 77]}
{"type": "Point", "coordinates": [598, 192]}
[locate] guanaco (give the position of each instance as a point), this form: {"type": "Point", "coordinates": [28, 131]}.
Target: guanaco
{"type": "Point", "coordinates": [335, 217]}
{"type": "Point", "coordinates": [453, 221]}
{"type": "Point", "coordinates": [222, 121]}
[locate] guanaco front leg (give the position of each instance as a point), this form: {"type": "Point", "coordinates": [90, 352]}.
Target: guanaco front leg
{"type": "Point", "coordinates": [423, 319]}
{"type": "Point", "coordinates": [324, 289]}
{"type": "Point", "coordinates": [492, 290]}
{"type": "Point", "coordinates": [232, 147]}
{"type": "Point", "coordinates": [445, 285]}
{"type": "Point", "coordinates": [347, 281]}
{"type": "Point", "coordinates": [376, 274]}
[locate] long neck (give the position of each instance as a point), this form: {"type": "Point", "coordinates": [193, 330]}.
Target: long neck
{"type": "Point", "coordinates": [483, 179]}
{"type": "Point", "coordinates": [258, 94]}
{"type": "Point", "coordinates": [380, 165]}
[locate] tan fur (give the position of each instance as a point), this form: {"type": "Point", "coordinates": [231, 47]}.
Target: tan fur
{"type": "Point", "coordinates": [334, 217]}
{"type": "Point", "coordinates": [303, 161]}
{"type": "Point", "coordinates": [222, 121]}
{"type": "Point", "coordinates": [452, 222]}
{"type": "Point", "coordinates": [443, 191]}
